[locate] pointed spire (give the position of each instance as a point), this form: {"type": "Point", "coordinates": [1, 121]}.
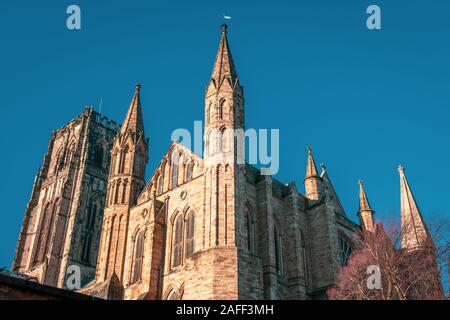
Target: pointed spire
{"type": "Point", "coordinates": [365, 212]}
{"type": "Point", "coordinates": [133, 121]}
{"type": "Point", "coordinates": [363, 201]}
{"type": "Point", "coordinates": [312, 181]}
{"type": "Point", "coordinates": [311, 170]}
{"type": "Point", "coordinates": [413, 227]}
{"type": "Point", "coordinates": [224, 66]}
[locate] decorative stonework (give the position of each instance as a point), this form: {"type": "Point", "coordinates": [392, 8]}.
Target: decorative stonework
{"type": "Point", "coordinates": [216, 232]}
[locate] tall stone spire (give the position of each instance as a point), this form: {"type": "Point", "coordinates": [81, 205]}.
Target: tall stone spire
{"type": "Point", "coordinates": [129, 157]}
{"type": "Point", "coordinates": [365, 212]}
{"type": "Point", "coordinates": [224, 100]}
{"type": "Point", "coordinates": [224, 66]}
{"type": "Point", "coordinates": [312, 181]}
{"type": "Point", "coordinates": [133, 121]}
{"type": "Point", "coordinates": [311, 169]}
{"type": "Point", "coordinates": [414, 230]}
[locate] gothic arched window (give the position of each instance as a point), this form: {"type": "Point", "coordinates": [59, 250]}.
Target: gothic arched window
{"type": "Point", "coordinates": [249, 231]}
{"type": "Point", "coordinates": [190, 237]}
{"type": "Point", "coordinates": [71, 154]}
{"type": "Point", "coordinates": [345, 250]}
{"type": "Point", "coordinates": [221, 108]}
{"type": "Point", "coordinates": [114, 159]}
{"type": "Point", "coordinates": [43, 235]}
{"type": "Point", "coordinates": [116, 192]}
{"type": "Point", "coordinates": [92, 213]}
{"type": "Point", "coordinates": [278, 244]}
{"type": "Point", "coordinates": [138, 257]}
{"type": "Point", "coordinates": [305, 258]}
{"type": "Point", "coordinates": [177, 241]}
{"type": "Point", "coordinates": [175, 165]}
{"type": "Point", "coordinates": [123, 159]}
{"type": "Point", "coordinates": [160, 184]}
{"type": "Point", "coordinates": [59, 160]}
{"type": "Point", "coordinates": [124, 190]}
{"type": "Point", "coordinates": [222, 140]}
{"type": "Point", "coordinates": [189, 170]}
{"type": "Point", "coordinates": [208, 113]}
{"type": "Point", "coordinates": [88, 232]}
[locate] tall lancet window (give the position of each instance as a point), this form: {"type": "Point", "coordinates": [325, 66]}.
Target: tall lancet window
{"type": "Point", "coordinates": [124, 191]}
{"type": "Point", "coordinates": [123, 159]}
{"type": "Point", "coordinates": [116, 192]}
{"type": "Point", "coordinates": [71, 153]}
{"type": "Point", "coordinates": [189, 170]}
{"type": "Point", "coordinates": [59, 160]}
{"type": "Point", "coordinates": [221, 108]}
{"type": "Point", "coordinates": [278, 244]}
{"type": "Point", "coordinates": [345, 250]}
{"type": "Point", "coordinates": [138, 257]}
{"type": "Point", "coordinates": [305, 258]}
{"type": "Point", "coordinates": [89, 229]}
{"type": "Point", "coordinates": [222, 145]}
{"type": "Point", "coordinates": [208, 113]}
{"type": "Point", "coordinates": [175, 164]}
{"type": "Point", "coordinates": [45, 232]}
{"type": "Point", "coordinates": [114, 160]}
{"type": "Point", "coordinates": [177, 241]}
{"type": "Point", "coordinates": [160, 184]}
{"type": "Point", "coordinates": [190, 230]}
{"type": "Point", "coordinates": [43, 235]}
{"type": "Point", "coordinates": [249, 231]}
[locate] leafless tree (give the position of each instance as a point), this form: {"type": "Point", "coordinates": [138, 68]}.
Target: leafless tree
{"type": "Point", "coordinates": [403, 274]}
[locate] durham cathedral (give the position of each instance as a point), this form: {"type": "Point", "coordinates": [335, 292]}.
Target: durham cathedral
{"type": "Point", "coordinates": [199, 228]}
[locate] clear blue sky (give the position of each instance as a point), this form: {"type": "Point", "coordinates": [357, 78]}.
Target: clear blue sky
{"type": "Point", "coordinates": [365, 100]}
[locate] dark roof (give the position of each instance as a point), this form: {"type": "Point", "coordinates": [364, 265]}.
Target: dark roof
{"type": "Point", "coordinates": [32, 286]}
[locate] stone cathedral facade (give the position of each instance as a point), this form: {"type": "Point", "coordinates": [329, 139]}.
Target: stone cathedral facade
{"type": "Point", "coordinates": [200, 228]}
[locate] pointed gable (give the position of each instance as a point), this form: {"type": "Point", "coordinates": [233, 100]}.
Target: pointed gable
{"type": "Point", "coordinates": [332, 192]}
{"type": "Point", "coordinates": [165, 161]}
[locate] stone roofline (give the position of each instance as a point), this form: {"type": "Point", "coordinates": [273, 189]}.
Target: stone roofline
{"type": "Point", "coordinates": [96, 116]}
{"type": "Point", "coordinates": [286, 189]}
